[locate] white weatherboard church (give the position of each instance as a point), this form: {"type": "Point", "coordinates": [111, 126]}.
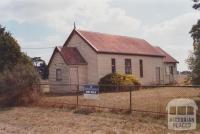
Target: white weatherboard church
{"type": "Point", "coordinates": [88, 56]}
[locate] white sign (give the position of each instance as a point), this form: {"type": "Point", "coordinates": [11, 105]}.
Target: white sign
{"type": "Point", "coordinates": [182, 114]}
{"type": "Point", "coordinates": [91, 92]}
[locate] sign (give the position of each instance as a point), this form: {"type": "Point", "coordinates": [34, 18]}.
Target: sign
{"type": "Point", "coordinates": [182, 114]}
{"type": "Point", "coordinates": [91, 92]}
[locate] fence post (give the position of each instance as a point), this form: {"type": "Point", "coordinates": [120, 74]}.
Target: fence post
{"type": "Point", "coordinates": [77, 94]}
{"type": "Point", "coordinates": [130, 108]}
{"type": "Point", "coordinates": [39, 87]}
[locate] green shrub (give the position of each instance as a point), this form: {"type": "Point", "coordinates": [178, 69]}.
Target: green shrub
{"type": "Point", "coordinates": [17, 85]}
{"type": "Point", "coordinates": [118, 81]}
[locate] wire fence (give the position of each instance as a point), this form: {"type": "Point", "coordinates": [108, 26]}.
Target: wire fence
{"type": "Point", "coordinates": [151, 99]}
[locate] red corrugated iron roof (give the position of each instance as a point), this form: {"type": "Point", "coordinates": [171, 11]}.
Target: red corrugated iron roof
{"type": "Point", "coordinates": [168, 58]}
{"type": "Point", "coordinates": [107, 43]}
{"type": "Point", "coordinates": [71, 56]}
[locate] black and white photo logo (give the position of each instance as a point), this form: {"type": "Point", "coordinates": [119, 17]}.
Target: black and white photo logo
{"type": "Point", "coordinates": [182, 114]}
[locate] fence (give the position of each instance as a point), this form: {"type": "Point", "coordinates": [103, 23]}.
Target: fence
{"type": "Point", "coordinates": [146, 99]}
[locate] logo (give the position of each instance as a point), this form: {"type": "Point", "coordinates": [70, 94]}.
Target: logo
{"type": "Point", "coordinates": [182, 114]}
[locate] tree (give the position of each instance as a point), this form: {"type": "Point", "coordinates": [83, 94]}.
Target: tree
{"type": "Point", "coordinates": [36, 61]}
{"type": "Point", "coordinates": [41, 67]}
{"type": "Point", "coordinates": [44, 71]}
{"type": "Point", "coordinates": [194, 58]}
{"type": "Point", "coordinates": [18, 76]}
{"type": "Point", "coordinates": [197, 4]}
{"type": "Point", "coordinates": [9, 50]}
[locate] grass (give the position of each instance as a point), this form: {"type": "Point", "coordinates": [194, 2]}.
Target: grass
{"type": "Point", "coordinates": [67, 119]}
{"type": "Point", "coordinates": [51, 121]}
{"type": "Point", "coordinates": [145, 100]}
{"type": "Point", "coordinates": [153, 100]}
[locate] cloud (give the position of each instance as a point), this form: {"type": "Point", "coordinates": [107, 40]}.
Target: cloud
{"type": "Point", "coordinates": [173, 28]}
{"type": "Point", "coordinates": [49, 43]}
{"type": "Point", "coordinates": [101, 15]}
{"type": "Point", "coordinates": [115, 21]}
{"type": "Point", "coordinates": [173, 36]}
{"type": "Point", "coordinates": [61, 14]}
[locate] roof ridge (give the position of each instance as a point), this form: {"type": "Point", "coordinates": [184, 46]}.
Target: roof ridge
{"type": "Point", "coordinates": [167, 55]}
{"type": "Point", "coordinates": [109, 34]}
{"type": "Point", "coordinates": [86, 39]}
{"type": "Point", "coordinates": [110, 43]}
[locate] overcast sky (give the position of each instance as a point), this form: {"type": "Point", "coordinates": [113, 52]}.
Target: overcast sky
{"type": "Point", "coordinates": [47, 23]}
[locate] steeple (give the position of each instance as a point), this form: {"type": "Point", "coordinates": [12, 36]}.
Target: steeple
{"type": "Point", "coordinates": [74, 25]}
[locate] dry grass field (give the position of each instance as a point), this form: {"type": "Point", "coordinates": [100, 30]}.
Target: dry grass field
{"type": "Point", "coordinates": [46, 119]}
{"type": "Point", "coordinates": [34, 120]}
{"type": "Point", "coordinates": [154, 99]}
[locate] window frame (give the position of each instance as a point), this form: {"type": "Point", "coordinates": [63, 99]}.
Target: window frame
{"type": "Point", "coordinates": [141, 68]}
{"type": "Point", "coordinates": [128, 66]}
{"type": "Point", "coordinates": [171, 70]}
{"type": "Point", "coordinates": [167, 71]}
{"type": "Point", "coordinates": [58, 76]}
{"type": "Point", "coordinates": [113, 65]}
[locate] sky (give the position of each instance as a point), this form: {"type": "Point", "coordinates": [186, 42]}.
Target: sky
{"type": "Point", "coordinates": [47, 23]}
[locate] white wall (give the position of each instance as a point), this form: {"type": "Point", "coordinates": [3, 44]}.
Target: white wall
{"type": "Point", "coordinates": [57, 62]}
{"type": "Point", "coordinates": [89, 55]}
{"type": "Point", "coordinates": [169, 79]}
{"type": "Point", "coordinates": [149, 66]}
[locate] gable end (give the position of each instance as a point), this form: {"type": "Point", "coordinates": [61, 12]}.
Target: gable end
{"type": "Point", "coordinates": [84, 39]}
{"type": "Point", "coordinates": [54, 52]}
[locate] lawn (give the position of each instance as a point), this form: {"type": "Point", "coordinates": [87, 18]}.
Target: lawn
{"type": "Point", "coordinates": [35, 120]}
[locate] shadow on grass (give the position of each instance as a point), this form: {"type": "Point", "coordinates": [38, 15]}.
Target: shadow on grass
{"type": "Point", "coordinates": [3, 109]}
{"type": "Point", "coordinates": [2, 105]}
{"type": "Point", "coordinates": [62, 94]}
{"type": "Point", "coordinates": [85, 111]}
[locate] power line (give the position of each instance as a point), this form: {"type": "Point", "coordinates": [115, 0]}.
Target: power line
{"type": "Point", "coordinates": [37, 47]}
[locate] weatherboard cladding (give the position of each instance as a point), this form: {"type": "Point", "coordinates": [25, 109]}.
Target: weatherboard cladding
{"type": "Point", "coordinates": [96, 49]}
{"type": "Point", "coordinates": [113, 44]}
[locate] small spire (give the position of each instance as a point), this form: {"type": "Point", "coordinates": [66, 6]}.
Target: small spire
{"type": "Point", "coordinates": [74, 25]}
